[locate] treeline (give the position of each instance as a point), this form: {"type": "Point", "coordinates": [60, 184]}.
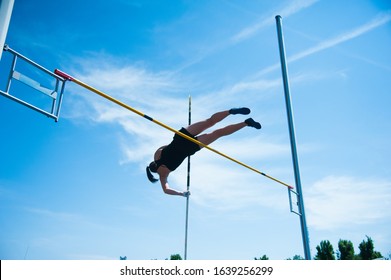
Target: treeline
{"type": "Point", "coordinates": [325, 251]}
{"type": "Point", "coordinates": [345, 251]}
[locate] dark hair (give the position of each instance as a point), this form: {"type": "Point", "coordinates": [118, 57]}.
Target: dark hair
{"type": "Point", "coordinates": [152, 168]}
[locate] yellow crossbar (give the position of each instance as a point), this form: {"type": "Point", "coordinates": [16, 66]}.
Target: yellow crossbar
{"type": "Point", "coordinates": [108, 97]}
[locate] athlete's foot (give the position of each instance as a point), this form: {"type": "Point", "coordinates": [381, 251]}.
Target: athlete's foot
{"type": "Point", "coordinates": [252, 123]}
{"type": "Point", "coordinates": [242, 111]}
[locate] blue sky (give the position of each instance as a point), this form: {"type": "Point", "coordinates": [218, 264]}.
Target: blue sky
{"type": "Point", "coordinates": [77, 189]}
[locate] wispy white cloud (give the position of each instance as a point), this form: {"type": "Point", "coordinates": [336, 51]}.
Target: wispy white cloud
{"type": "Point", "coordinates": [342, 202]}
{"type": "Point", "coordinates": [291, 8]}
{"type": "Point", "coordinates": [125, 80]}
{"type": "Point", "coordinates": [376, 22]}
{"type": "Point", "coordinates": [379, 20]}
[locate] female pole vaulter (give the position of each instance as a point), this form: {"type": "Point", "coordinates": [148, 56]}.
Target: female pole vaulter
{"type": "Point", "coordinates": [167, 158]}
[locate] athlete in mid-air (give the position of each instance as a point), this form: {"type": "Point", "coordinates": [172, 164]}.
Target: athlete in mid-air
{"type": "Point", "coordinates": [167, 158]}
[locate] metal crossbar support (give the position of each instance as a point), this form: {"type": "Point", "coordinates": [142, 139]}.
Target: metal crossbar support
{"type": "Point", "coordinates": [34, 84]}
{"type": "Point", "coordinates": [295, 160]}
{"type": "Point", "coordinates": [110, 98]}
{"type": "Point", "coordinates": [292, 202]}
{"type": "Point", "coordinates": [188, 189]}
{"type": "Point", "coordinates": [55, 94]}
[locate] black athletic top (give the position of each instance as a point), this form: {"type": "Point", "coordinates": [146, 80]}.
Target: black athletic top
{"type": "Point", "coordinates": [175, 153]}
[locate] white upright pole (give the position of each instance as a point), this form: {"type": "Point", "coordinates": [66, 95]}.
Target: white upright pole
{"type": "Point", "coordinates": [6, 7]}
{"type": "Point", "coordinates": [295, 160]}
{"type": "Point", "coordinates": [188, 189]}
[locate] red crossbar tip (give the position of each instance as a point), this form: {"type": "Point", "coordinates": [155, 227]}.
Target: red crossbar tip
{"type": "Point", "coordinates": [291, 187]}
{"type": "Point", "coordinates": [63, 75]}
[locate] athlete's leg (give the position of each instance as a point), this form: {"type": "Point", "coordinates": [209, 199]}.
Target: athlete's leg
{"type": "Point", "coordinates": [208, 138]}
{"type": "Point", "coordinates": [198, 127]}
{"type": "Point", "coordinates": [201, 126]}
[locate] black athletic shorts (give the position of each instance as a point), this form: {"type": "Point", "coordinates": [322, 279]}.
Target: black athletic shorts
{"type": "Point", "coordinates": [184, 144]}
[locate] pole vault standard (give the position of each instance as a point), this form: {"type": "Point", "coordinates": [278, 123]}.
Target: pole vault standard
{"type": "Point", "coordinates": [188, 188]}
{"type": "Point", "coordinates": [284, 69]}
{"type": "Point", "coordinates": [6, 7]}
{"type": "Point", "coordinates": [108, 97]}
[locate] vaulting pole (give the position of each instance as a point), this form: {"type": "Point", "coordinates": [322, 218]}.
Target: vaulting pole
{"type": "Point", "coordinates": [295, 160]}
{"type": "Point", "coordinates": [188, 188]}
{"type": "Point", "coordinates": [108, 97]}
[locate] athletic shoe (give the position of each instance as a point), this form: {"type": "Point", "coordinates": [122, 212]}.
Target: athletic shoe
{"type": "Point", "coordinates": [242, 111]}
{"type": "Point", "coordinates": [252, 123]}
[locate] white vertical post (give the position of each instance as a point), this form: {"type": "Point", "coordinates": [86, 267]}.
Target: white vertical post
{"type": "Point", "coordinates": [295, 160]}
{"type": "Point", "coordinates": [188, 188]}
{"type": "Point", "coordinates": [6, 7]}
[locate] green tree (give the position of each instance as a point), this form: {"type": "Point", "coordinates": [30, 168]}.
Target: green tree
{"type": "Point", "coordinates": [367, 251]}
{"type": "Point", "coordinates": [296, 258]}
{"type": "Point", "coordinates": [263, 258]}
{"type": "Point", "coordinates": [346, 250]}
{"type": "Point", "coordinates": [325, 251]}
{"type": "Point", "coordinates": [175, 257]}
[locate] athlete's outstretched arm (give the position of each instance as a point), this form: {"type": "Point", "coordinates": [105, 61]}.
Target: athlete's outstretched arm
{"type": "Point", "coordinates": [166, 187]}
